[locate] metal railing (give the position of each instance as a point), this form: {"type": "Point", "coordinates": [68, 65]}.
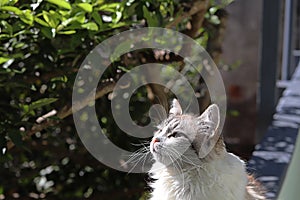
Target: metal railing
{"type": "Point", "coordinates": [278, 56]}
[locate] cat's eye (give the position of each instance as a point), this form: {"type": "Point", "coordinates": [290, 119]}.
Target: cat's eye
{"type": "Point", "coordinates": [173, 134]}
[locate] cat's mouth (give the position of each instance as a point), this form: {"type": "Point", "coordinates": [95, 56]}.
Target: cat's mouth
{"type": "Point", "coordinates": [155, 145]}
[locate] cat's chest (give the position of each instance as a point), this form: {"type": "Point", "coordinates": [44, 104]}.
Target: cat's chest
{"type": "Point", "coordinates": [193, 187]}
{"type": "Point", "coordinates": [188, 186]}
{"type": "Point", "coordinates": [217, 182]}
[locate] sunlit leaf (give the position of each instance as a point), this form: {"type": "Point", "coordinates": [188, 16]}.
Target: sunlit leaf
{"type": "Point", "coordinates": [61, 3]}
{"type": "Point", "coordinates": [3, 60]}
{"type": "Point", "coordinates": [86, 7]}
{"type": "Point", "coordinates": [51, 18]}
{"type": "Point", "coordinates": [67, 32]}
{"type": "Point", "coordinates": [79, 18]}
{"type": "Point", "coordinates": [27, 17]}
{"type": "Point", "coordinates": [151, 18]}
{"type": "Point", "coordinates": [19, 45]}
{"type": "Point", "coordinates": [118, 17]}
{"type": "Point", "coordinates": [109, 7]}
{"type": "Point", "coordinates": [90, 26]}
{"type": "Point", "coordinates": [2, 3]}
{"type": "Point", "coordinates": [41, 102]}
{"type": "Point", "coordinates": [8, 2]}
{"type": "Point", "coordinates": [124, 69]}
{"type": "Point", "coordinates": [60, 78]}
{"type": "Point", "coordinates": [13, 9]}
{"type": "Point", "coordinates": [41, 22]}
{"type": "Point", "coordinates": [8, 63]}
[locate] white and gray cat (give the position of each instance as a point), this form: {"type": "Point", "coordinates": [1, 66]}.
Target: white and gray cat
{"type": "Point", "coordinates": [180, 172]}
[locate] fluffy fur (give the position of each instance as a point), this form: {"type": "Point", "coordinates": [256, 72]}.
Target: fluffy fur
{"type": "Point", "coordinates": [191, 161]}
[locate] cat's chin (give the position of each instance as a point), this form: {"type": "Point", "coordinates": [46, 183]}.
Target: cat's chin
{"type": "Point", "coordinates": [158, 157]}
{"type": "Point", "coordinates": [155, 148]}
{"type": "Point", "coordinates": [163, 160]}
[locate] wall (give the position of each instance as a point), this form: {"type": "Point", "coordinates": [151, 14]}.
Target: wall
{"type": "Point", "coordinates": [241, 45]}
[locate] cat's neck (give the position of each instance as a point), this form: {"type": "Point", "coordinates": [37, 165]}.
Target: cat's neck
{"type": "Point", "coordinates": [210, 180]}
{"type": "Point", "coordinates": [186, 169]}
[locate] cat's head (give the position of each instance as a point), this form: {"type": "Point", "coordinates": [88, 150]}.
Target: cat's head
{"type": "Point", "coordinates": [187, 137]}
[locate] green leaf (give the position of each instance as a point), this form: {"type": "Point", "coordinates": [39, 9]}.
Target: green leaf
{"type": "Point", "coordinates": [8, 63]}
{"type": "Point", "coordinates": [124, 69]}
{"type": "Point", "coordinates": [7, 27]}
{"type": "Point", "coordinates": [120, 24]}
{"type": "Point", "coordinates": [19, 45]}
{"type": "Point", "coordinates": [67, 32]}
{"type": "Point", "coordinates": [61, 3]}
{"type": "Point", "coordinates": [86, 7]}
{"type": "Point", "coordinates": [97, 18]}
{"type": "Point", "coordinates": [41, 22]}
{"type": "Point", "coordinates": [13, 9]}
{"type": "Point", "coordinates": [79, 18]}
{"type": "Point", "coordinates": [51, 18]}
{"type": "Point", "coordinates": [41, 102]}
{"type": "Point", "coordinates": [47, 32]}
{"type": "Point", "coordinates": [4, 36]}
{"type": "Point", "coordinates": [16, 138]}
{"type": "Point", "coordinates": [4, 2]}
{"type": "Point", "coordinates": [118, 17]}
{"type": "Point", "coordinates": [3, 60]}
{"type": "Point", "coordinates": [1, 188]}
{"type": "Point", "coordinates": [109, 7]}
{"type": "Point", "coordinates": [60, 79]}
{"type": "Point", "coordinates": [64, 13]}
{"type": "Point", "coordinates": [120, 49]}
{"type": "Point", "coordinates": [90, 26]}
{"type": "Point", "coordinates": [18, 26]}
{"type": "Point", "coordinates": [150, 17]}
{"type": "Point", "coordinates": [4, 15]}
{"type": "Point", "coordinates": [8, 2]}
{"type": "Point", "coordinates": [27, 17]}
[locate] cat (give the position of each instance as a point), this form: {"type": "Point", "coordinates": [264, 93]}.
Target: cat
{"type": "Point", "coordinates": [191, 161]}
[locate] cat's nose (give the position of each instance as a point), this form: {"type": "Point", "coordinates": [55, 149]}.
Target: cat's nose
{"type": "Point", "coordinates": [156, 140]}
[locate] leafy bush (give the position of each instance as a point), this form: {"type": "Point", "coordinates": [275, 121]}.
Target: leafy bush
{"type": "Point", "coordinates": [43, 43]}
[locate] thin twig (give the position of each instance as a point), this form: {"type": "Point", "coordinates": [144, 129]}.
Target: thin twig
{"type": "Point", "coordinates": [64, 112]}
{"type": "Point", "coordinates": [199, 6]}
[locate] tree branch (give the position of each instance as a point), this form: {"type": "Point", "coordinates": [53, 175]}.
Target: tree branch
{"type": "Point", "coordinates": [197, 13]}
{"type": "Point", "coordinates": [45, 122]}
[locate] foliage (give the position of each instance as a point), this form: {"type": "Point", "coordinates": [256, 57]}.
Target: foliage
{"type": "Point", "coordinates": [43, 43]}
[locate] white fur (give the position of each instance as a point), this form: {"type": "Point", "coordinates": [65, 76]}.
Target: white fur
{"type": "Point", "coordinates": [191, 162]}
{"type": "Point", "coordinates": [218, 179]}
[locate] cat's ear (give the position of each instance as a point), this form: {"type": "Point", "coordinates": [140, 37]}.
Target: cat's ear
{"type": "Point", "coordinates": [211, 114]}
{"type": "Point", "coordinates": [208, 134]}
{"type": "Point", "coordinates": [175, 108]}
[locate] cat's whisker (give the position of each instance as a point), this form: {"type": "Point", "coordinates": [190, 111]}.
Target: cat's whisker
{"type": "Point", "coordinates": [138, 156]}
{"type": "Point", "coordinates": [143, 157]}
{"type": "Point", "coordinates": [176, 164]}
{"type": "Point", "coordinates": [185, 158]}
{"type": "Point", "coordinates": [181, 172]}
{"type": "Point", "coordinates": [181, 157]}
{"type": "Point", "coordinates": [204, 170]}
{"type": "Point", "coordinates": [141, 144]}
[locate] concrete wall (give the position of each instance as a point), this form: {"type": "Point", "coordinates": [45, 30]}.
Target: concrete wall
{"type": "Point", "coordinates": [241, 45]}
